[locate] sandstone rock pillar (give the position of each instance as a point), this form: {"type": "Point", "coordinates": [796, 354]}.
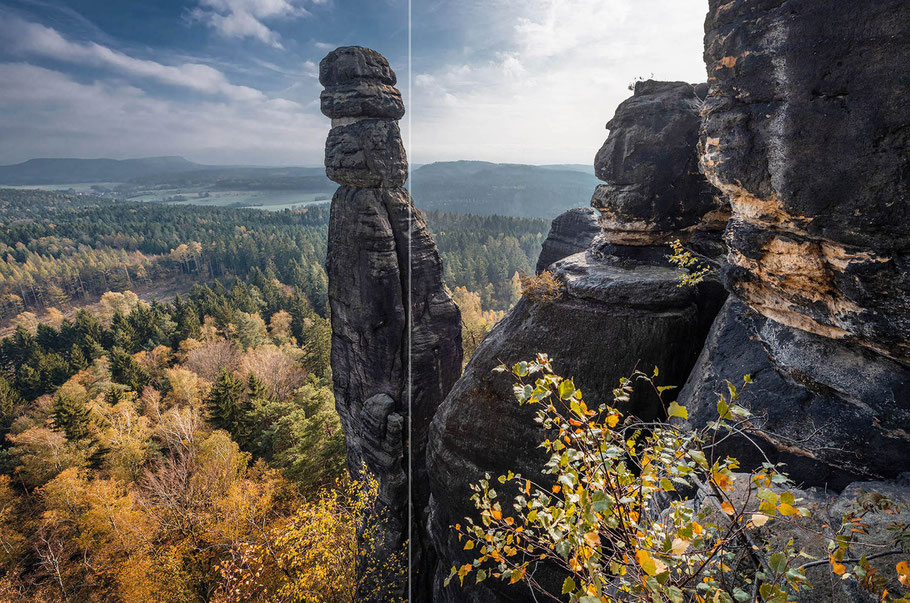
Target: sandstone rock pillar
{"type": "Point", "coordinates": [396, 333]}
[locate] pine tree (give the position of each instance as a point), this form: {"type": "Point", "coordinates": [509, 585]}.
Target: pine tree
{"type": "Point", "coordinates": [228, 406]}
{"type": "Point", "coordinates": [187, 318]}
{"type": "Point", "coordinates": [77, 358]}
{"type": "Point", "coordinates": [125, 370]}
{"type": "Point", "coordinates": [9, 400]}
{"type": "Point", "coordinates": [122, 333]}
{"type": "Point", "coordinates": [257, 389]}
{"type": "Point", "coordinates": [72, 417]}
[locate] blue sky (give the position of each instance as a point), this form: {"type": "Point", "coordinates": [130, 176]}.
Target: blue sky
{"type": "Point", "coordinates": [234, 81]}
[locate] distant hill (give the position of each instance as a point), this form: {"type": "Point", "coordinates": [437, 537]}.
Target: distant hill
{"type": "Point", "coordinates": [74, 171]}
{"type": "Point", "coordinates": [165, 172]}
{"type": "Point", "coordinates": [578, 167]}
{"type": "Point", "coordinates": [244, 178]}
{"type": "Point", "coordinates": [482, 188]}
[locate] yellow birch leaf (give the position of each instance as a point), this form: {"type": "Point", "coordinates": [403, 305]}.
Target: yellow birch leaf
{"type": "Point", "coordinates": [679, 546]}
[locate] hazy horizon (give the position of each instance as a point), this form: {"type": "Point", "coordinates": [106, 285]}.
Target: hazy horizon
{"type": "Point", "coordinates": [234, 82]}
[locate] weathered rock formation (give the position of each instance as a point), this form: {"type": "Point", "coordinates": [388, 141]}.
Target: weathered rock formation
{"type": "Point", "coordinates": [396, 333]}
{"type": "Point", "coordinates": [653, 189]}
{"type": "Point", "coordinates": [807, 133]}
{"type": "Point", "coordinates": [620, 308]}
{"type": "Point", "coordinates": [571, 232]}
{"type": "Point", "coordinates": [807, 128]}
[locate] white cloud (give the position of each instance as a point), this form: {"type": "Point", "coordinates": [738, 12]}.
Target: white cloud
{"type": "Point", "coordinates": [310, 69]}
{"type": "Point", "coordinates": [51, 115]}
{"type": "Point", "coordinates": [33, 38]}
{"type": "Point", "coordinates": [559, 72]}
{"type": "Point", "coordinates": [244, 18]}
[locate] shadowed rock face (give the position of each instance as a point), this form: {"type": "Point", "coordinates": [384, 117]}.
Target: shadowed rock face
{"type": "Point", "coordinates": [649, 161]}
{"type": "Point", "coordinates": [396, 333]}
{"type": "Point", "coordinates": [620, 308]}
{"type": "Point", "coordinates": [571, 232]}
{"type": "Point", "coordinates": [610, 319]}
{"type": "Point", "coordinates": [833, 411]}
{"type": "Point", "coordinates": [806, 131]}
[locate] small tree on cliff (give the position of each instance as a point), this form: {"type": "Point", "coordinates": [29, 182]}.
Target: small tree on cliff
{"type": "Point", "coordinates": [616, 516]}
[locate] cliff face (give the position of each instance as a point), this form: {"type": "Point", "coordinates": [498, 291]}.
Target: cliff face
{"type": "Point", "coordinates": [653, 189]}
{"type": "Point", "coordinates": [805, 132]}
{"type": "Point", "coordinates": [619, 307]}
{"type": "Point", "coordinates": [396, 333]}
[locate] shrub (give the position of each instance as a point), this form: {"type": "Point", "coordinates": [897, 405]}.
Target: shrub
{"type": "Point", "coordinates": [686, 260]}
{"type": "Point", "coordinates": [617, 514]}
{"type": "Point", "coordinates": [542, 288]}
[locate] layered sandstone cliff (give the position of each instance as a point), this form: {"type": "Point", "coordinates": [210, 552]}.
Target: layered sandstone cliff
{"type": "Point", "coordinates": [806, 134]}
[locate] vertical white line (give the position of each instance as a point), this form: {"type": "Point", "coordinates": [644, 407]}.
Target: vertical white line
{"type": "Point", "coordinates": [410, 314]}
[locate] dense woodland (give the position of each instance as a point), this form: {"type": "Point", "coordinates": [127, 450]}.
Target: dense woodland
{"type": "Point", "coordinates": [190, 446]}
{"type": "Point", "coordinates": [59, 250]}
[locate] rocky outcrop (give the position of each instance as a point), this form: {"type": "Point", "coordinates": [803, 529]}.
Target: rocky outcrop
{"type": "Point", "coordinates": [807, 136]}
{"type": "Point", "coordinates": [396, 333]}
{"type": "Point", "coordinates": [620, 307]}
{"type": "Point", "coordinates": [653, 189]}
{"type": "Point", "coordinates": [571, 232]}
{"type": "Point", "coordinates": [833, 411]}
{"type": "Point", "coordinates": [806, 132]}
{"type": "Point", "coordinates": [810, 534]}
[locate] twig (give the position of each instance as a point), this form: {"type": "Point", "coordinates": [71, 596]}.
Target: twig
{"type": "Point", "coordinates": [868, 558]}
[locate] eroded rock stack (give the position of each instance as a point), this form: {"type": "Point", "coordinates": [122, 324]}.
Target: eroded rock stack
{"type": "Point", "coordinates": [619, 307]}
{"type": "Point", "coordinates": [654, 191]}
{"type": "Point", "coordinates": [396, 333]}
{"type": "Point", "coordinates": [806, 133]}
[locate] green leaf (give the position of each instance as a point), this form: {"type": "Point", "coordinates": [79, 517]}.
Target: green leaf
{"type": "Point", "coordinates": [699, 457]}
{"type": "Point", "coordinates": [723, 409]}
{"type": "Point", "coordinates": [568, 586]}
{"type": "Point", "coordinates": [501, 368]}
{"type": "Point", "coordinates": [675, 410]}
{"type": "Point", "coordinates": [566, 389]}
{"type": "Point", "coordinates": [778, 562]}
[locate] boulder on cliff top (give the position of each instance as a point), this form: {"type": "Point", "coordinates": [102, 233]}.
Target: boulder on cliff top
{"type": "Point", "coordinates": [571, 232]}
{"type": "Point", "coordinates": [353, 64]}
{"type": "Point", "coordinates": [650, 164]}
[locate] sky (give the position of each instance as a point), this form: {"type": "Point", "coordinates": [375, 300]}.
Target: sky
{"type": "Point", "coordinates": [235, 81]}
